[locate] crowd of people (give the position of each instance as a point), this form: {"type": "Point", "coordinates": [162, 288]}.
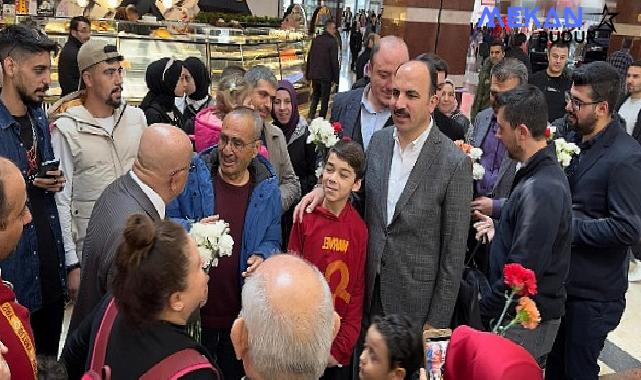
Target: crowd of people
{"type": "Point", "coordinates": [331, 276]}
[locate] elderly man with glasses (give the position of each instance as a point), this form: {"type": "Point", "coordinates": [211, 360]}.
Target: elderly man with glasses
{"type": "Point", "coordinates": [231, 181]}
{"type": "Point", "coordinates": [158, 176]}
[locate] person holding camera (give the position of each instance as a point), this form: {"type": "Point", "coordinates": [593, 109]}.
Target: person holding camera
{"type": "Point", "coordinates": [37, 267]}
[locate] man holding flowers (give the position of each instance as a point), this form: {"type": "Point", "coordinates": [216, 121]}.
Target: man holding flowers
{"type": "Point", "coordinates": [534, 228]}
{"type": "Point", "coordinates": [232, 182]}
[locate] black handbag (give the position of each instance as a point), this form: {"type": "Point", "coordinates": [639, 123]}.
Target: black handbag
{"type": "Point", "coordinates": [473, 285]}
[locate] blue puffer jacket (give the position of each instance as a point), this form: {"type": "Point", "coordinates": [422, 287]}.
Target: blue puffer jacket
{"type": "Point", "coordinates": [22, 268]}
{"type": "Point", "coordinates": [261, 232]}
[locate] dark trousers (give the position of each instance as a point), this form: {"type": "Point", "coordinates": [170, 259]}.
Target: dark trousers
{"type": "Point", "coordinates": [581, 337]}
{"type": "Point", "coordinates": [218, 343]}
{"type": "Point", "coordinates": [354, 58]}
{"type": "Point", "coordinates": [47, 327]}
{"type": "Point", "coordinates": [320, 90]}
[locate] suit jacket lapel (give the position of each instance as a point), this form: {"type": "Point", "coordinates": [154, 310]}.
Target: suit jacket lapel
{"type": "Point", "coordinates": [357, 134]}
{"type": "Point", "coordinates": [636, 133]}
{"type": "Point", "coordinates": [425, 160]}
{"type": "Point", "coordinates": [481, 133]}
{"type": "Point", "coordinates": [387, 154]}
{"type": "Point", "coordinates": [594, 154]}
{"type": "Point", "coordinates": [140, 197]}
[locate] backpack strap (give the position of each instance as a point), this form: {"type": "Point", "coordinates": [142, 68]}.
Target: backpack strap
{"type": "Point", "coordinates": [102, 337]}
{"type": "Point", "coordinates": [177, 365]}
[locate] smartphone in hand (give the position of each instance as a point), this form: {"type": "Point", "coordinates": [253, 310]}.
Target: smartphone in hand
{"type": "Point", "coordinates": [48, 166]}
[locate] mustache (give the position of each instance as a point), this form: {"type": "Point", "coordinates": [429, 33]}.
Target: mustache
{"type": "Point", "coordinates": [117, 89]}
{"type": "Point", "coordinates": [401, 112]}
{"type": "Point", "coordinates": [44, 88]}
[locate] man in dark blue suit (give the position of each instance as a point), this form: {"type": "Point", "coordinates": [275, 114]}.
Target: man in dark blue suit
{"type": "Point", "coordinates": [605, 179]}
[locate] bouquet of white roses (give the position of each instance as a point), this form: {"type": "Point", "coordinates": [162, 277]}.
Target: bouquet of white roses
{"type": "Point", "coordinates": [213, 241]}
{"type": "Point", "coordinates": [324, 135]}
{"type": "Point", "coordinates": [565, 151]}
{"type": "Point", "coordinates": [478, 171]}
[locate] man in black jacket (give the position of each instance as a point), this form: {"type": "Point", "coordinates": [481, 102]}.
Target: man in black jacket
{"type": "Point", "coordinates": [535, 224]}
{"type": "Point", "coordinates": [519, 50]}
{"type": "Point", "coordinates": [322, 68]}
{"type": "Point", "coordinates": [605, 179]}
{"type": "Point", "coordinates": [68, 73]}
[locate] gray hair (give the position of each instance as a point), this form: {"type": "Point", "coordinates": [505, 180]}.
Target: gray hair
{"type": "Point", "coordinates": [277, 350]}
{"type": "Point", "coordinates": [259, 72]}
{"type": "Point", "coordinates": [510, 68]}
{"type": "Point", "coordinates": [255, 116]}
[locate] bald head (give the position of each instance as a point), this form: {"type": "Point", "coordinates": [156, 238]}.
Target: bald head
{"type": "Point", "coordinates": [163, 148]}
{"type": "Point", "coordinates": [14, 213]}
{"type": "Point", "coordinates": [289, 321]}
{"type": "Point", "coordinates": [390, 48]}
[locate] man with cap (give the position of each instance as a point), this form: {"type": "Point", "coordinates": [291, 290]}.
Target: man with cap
{"type": "Point", "coordinates": [95, 135]}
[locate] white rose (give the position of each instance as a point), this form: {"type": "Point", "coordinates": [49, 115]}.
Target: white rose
{"type": "Point", "coordinates": [205, 254]}
{"type": "Point", "coordinates": [225, 245]}
{"type": "Point", "coordinates": [564, 158]}
{"type": "Point", "coordinates": [215, 230]}
{"type": "Point", "coordinates": [332, 140]}
{"type": "Point", "coordinates": [310, 138]}
{"type": "Point", "coordinates": [475, 153]}
{"type": "Point", "coordinates": [199, 233]}
{"type": "Point", "coordinates": [477, 171]}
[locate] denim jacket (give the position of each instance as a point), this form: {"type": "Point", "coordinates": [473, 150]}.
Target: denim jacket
{"type": "Point", "coordinates": [22, 268]}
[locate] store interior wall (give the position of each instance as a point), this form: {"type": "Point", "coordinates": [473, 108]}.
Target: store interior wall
{"type": "Point", "coordinates": [270, 8]}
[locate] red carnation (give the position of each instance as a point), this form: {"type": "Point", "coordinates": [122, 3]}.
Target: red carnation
{"type": "Point", "coordinates": [521, 280]}
{"type": "Point", "coordinates": [338, 128]}
{"type": "Point", "coordinates": [547, 132]}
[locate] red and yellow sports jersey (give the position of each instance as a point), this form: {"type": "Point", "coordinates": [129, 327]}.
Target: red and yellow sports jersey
{"type": "Point", "coordinates": [337, 247]}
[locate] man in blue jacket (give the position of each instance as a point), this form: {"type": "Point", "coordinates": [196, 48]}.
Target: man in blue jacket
{"type": "Point", "coordinates": [37, 268]}
{"type": "Point", "coordinates": [536, 220]}
{"type": "Point", "coordinates": [232, 182]}
{"type": "Point", "coordinates": [605, 179]}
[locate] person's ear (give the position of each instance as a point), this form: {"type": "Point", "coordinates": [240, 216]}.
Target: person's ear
{"type": "Point", "coordinates": [357, 185]}
{"type": "Point", "coordinates": [175, 302]}
{"type": "Point", "coordinates": [256, 148]}
{"type": "Point", "coordinates": [523, 132]}
{"type": "Point", "coordinates": [9, 67]}
{"type": "Point", "coordinates": [86, 78]}
{"type": "Point", "coordinates": [398, 373]}
{"type": "Point", "coordinates": [337, 325]}
{"type": "Point", "coordinates": [239, 338]}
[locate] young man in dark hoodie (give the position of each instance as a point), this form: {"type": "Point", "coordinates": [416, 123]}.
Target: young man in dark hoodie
{"type": "Point", "coordinates": [334, 238]}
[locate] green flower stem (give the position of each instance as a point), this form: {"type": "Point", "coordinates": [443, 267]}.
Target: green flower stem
{"type": "Point", "coordinates": [507, 305]}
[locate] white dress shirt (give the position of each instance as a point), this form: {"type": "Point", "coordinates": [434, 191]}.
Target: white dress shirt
{"type": "Point", "coordinates": [371, 121]}
{"type": "Point", "coordinates": [403, 161]}
{"type": "Point", "coordinates": [153, 196]}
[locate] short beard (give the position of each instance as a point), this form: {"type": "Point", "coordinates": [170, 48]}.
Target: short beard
{"type": "Point", "coordinates": [114, 103]}
{"type": "Point", "coordinates": [585, 127]}
{"type": "Point", "coordinates": [29, 101]}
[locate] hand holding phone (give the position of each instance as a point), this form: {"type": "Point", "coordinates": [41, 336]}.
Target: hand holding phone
{"type": "Point", "coordinates": [50, 177]}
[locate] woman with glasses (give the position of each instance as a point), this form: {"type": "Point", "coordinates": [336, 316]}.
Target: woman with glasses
{"type": "Point", "coordinates": [159, 282]}
{"type": "Point", "coordinates": [166, 79]}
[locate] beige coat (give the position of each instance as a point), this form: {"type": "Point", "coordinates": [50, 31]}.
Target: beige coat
{"type": "Point", "coordinates": [279, 158]}
{"type": "Point", "coordinates": [97, 159]}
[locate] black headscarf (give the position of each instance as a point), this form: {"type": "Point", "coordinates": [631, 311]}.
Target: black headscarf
{"type": "Point", "coordinates": [199, 72]}
{"type": "Point", "coordinates": [288, 129]}
{"type": "Point", "coordinates": [162, 88]}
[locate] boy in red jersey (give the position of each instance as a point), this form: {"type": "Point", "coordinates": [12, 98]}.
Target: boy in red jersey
{"type": "Point", "coordinates": [334, 238]}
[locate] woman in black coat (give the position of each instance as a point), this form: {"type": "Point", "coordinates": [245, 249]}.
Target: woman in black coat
{"type": "Point", "coordinates": [303, 155]}
{"type": "Point", "coordinates": [166, 79]}
{"type": "Point", "coordinates": [355, 43]}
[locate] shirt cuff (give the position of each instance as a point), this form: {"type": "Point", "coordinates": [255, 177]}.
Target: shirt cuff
{"type": "Point", "coordinates": [497, 205]}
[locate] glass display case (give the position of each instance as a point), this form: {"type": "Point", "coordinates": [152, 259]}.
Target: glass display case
{"type": "Point", "coordinates": [141, 43]}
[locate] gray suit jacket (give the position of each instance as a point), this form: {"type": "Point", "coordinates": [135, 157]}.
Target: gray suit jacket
{"type": "Point", "coordinates": [421, 252]}
{"type": "Point", "coordinates": [476, 137]}
{"type": "Point", "coordinates": [119, 200]}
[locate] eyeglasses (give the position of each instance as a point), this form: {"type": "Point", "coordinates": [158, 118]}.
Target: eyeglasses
{"type": "Point", "coordinates": [189, 167]}
{"type": "Point", "coordinates": [236, 144]}
{"type": "Point", "coordinates": [578, 103]}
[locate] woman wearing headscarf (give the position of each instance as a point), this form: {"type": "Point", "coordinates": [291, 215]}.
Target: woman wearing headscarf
{"type": "Point", "coordinates": [286, 117]}
{"type": "Point", "coordinates": [166, 79]}
{"type": "Point", "coordinates": [197, 96]}
{"type": "Point", "coordinates": [449, 118]}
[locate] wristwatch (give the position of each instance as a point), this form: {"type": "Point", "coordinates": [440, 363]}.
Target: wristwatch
{"type": "Point", "coordinates": [72, 267]}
